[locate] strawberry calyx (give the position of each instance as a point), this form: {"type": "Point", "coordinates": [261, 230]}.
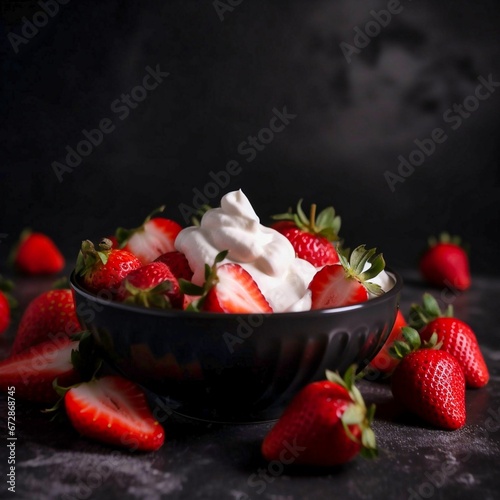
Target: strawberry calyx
{"type": "Point", "coordinates": [445, 238]}
{"type": "Point", "coordinates": [123, 235]}
{"type": "Point", "coordinates": [422, 315]}
{"type": "Point", "coordinates": [354, 264]}
{"type": "Point", "coordinates": [211, 279]}
{"type": "Point", "coordinates": [11, 259]}
{"type": "Point", "coordinates": [6, 287]}
{"type": "Point", "coordinates": [326, 224]}
{"type": "Point", "coordinates": [356, 413]}
{"type": "Point", "coordinates": [89, 256]}
{"type": "Point", "coordinates": [412, 343]}
{"type": "Point", "coordinates": [149, 297]}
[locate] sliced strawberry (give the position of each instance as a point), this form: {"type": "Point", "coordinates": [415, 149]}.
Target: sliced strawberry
{"type": "Point", "coordinates": [114, 410]}
{"type": "Point", "coordinates": [36, 253]}
{"type": "Point", "coordinates": [346, 283]}
{"type": "Point", "coordinates": [32, 371]}
{"type": "Point", "coordinates": [311, 237]}
{"type": "Point", "coordinates": [178, 264]}
{"type": "Point", "coordinates": [235, 292]}
{"type": "Point", "coordinates": [150, 240]}
{"type": "Point", "coordinates": [152, 285]}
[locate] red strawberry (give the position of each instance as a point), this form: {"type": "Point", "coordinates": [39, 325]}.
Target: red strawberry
{"type": "Point", "coordinates": [178, 264]}
{"type": "Point", "coordinates": [114, 410]}
{"type": "Point", "coordinates": [152, 285]}
{"type": "Point", "coordinates": [326, 423]}
{"type": "Point", "coordinates": [228, 288]}
{"type": "Point", "coordinates": [105, 268]}
{"type": "Point", "coordinates": [383, 362]}
{"type": "Point", "coordinates": [6, 303]}
{"type": "Point", "coordinates": [445, 263]}
{"type": "Point", "coordinates": [49, 315]}
{"type": "Point", "coordinates": [311, 237]}
{"type": "Point", "coordinates": [457, 338]}
{"type": "Point", "coordinates": [36, 253]}
{"type": "Point", "coordinates": [346, 283]}
{"type": "Point", "coordinates": [32, 371]}
{"type": "Point", "coordinates": [429, 382]}
{"type": "Point", "coordinates": [154, 237]}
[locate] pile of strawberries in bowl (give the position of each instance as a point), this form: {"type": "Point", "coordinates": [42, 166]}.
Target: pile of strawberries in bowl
{"type": "Point", "coordinates": [231, 320]}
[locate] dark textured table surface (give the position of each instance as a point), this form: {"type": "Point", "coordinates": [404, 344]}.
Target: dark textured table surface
{"type": "Point", "coordinates": [201, 460]}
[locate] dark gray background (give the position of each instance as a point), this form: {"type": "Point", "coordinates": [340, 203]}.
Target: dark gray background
{"type": "Point", "coordinates": [353, 120]}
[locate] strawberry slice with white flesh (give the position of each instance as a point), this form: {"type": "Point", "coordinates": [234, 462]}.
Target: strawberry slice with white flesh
{"type": "Point", "coordinates": [33, 370]}
{"type": "Point", "coordinates": [347, 283]}
{"type": "Point", "coordinates": [153, 238]}
{"type": "Point", "coordinates": [228, 288]}
{"type": "Point", "coordinates": [114, 410]}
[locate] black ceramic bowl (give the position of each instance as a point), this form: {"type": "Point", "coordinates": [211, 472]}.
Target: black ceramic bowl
{"type": "Point", "coordinates": [231, 367]}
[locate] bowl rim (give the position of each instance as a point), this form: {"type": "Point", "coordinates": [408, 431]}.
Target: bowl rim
{"type": "Point", "coordinates": [168, 313]}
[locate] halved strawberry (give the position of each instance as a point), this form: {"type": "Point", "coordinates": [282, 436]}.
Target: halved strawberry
{"type": "Point", "coordinates": [104, 268]}
{"type": "Point", "coordinates": [228, 288]}
{"type": "Point", "coordinates": [346, 283]}
{"type": "Point", "coordinates": [36, 253]}
{"type": "Point", "coordinates": [32, 371]}
{"type": "Point", "coordinates": [114, 410]}
{"type": "Point", "coordinates": [151, 239]}
{"type": "Point", "coordinates": [152, 285]}
{"type": "Point", "coordinates": [178, 264]}
{"type": "Point", "coordinates": [312, 237]}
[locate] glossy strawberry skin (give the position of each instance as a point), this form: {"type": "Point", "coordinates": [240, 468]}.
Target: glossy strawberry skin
{"type": "Point", "coordinates": [114, 410]}
{"type": "Point", "coordinates": [50, 314]}
{"type": "Point", "coordinates": [235, 292]}
{"type": "Point", "coordinates": [446, 264]}
{"type": "Point", "coordinates": [383, 362]}
{"type": "Point", "coordinates": [38, 254]}
{"type": "Point", "coordinates": [312, 427]}
{"type": "Point", "coordinates": [4, 313]}
{"type": "Point", "coordinates": [150, 276]}
{"type": "Point", "coordinates": [331, 287]}
{"type": "Point", "coordinates": [109, 276]}
{"type": "Point", "coordinates": [33, 370]}
{"type": "Point", "coordinates": [431, 384]}
{"type": "Point", "coordinates": [316, 249]}
{"type": "Point", "coordinates": [460, 341]}
{"type": "Point", "coordinates": [178, 264]}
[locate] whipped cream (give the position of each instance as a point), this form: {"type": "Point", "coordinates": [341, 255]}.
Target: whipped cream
{"type": "Point", "coordinates": [266, 254]}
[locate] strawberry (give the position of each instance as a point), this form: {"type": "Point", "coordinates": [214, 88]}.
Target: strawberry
{"type": "Point", "coordinates": [326, 424]}
{"type": "Point", "coordinates": [445, 263]}
{"type": "Point", "coordinates": [36, 253]}
{"type": "Point", "coordinates": [457, 338]}
{"type": "Point", "coordinates": [33, 370]}
{"type": "Point", "coordinates": [228, 288]}
{"type": "Point", "coordinates": [429, 382]}
{"type": "Point", "coordinates": [6, 303]}
{"type": "Point", "coordinates": [347, 283]}
{"type": "Point", "coordinates": [178, 264]}
{"type": "Point", "coordinates": [114, 410]}
{"type": "Point", "coordinates": [154, 237]}
{"type": "Point", "coordinates": [50, 314]}
{"type": "Point", "coordinates": [105, 268]}
{"type": "Point", "coordinates": [152, 285]}
{"type": "Point", "coordinates": [383, 362]}
{"type": "Point", "coordinates": [312, 237]}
